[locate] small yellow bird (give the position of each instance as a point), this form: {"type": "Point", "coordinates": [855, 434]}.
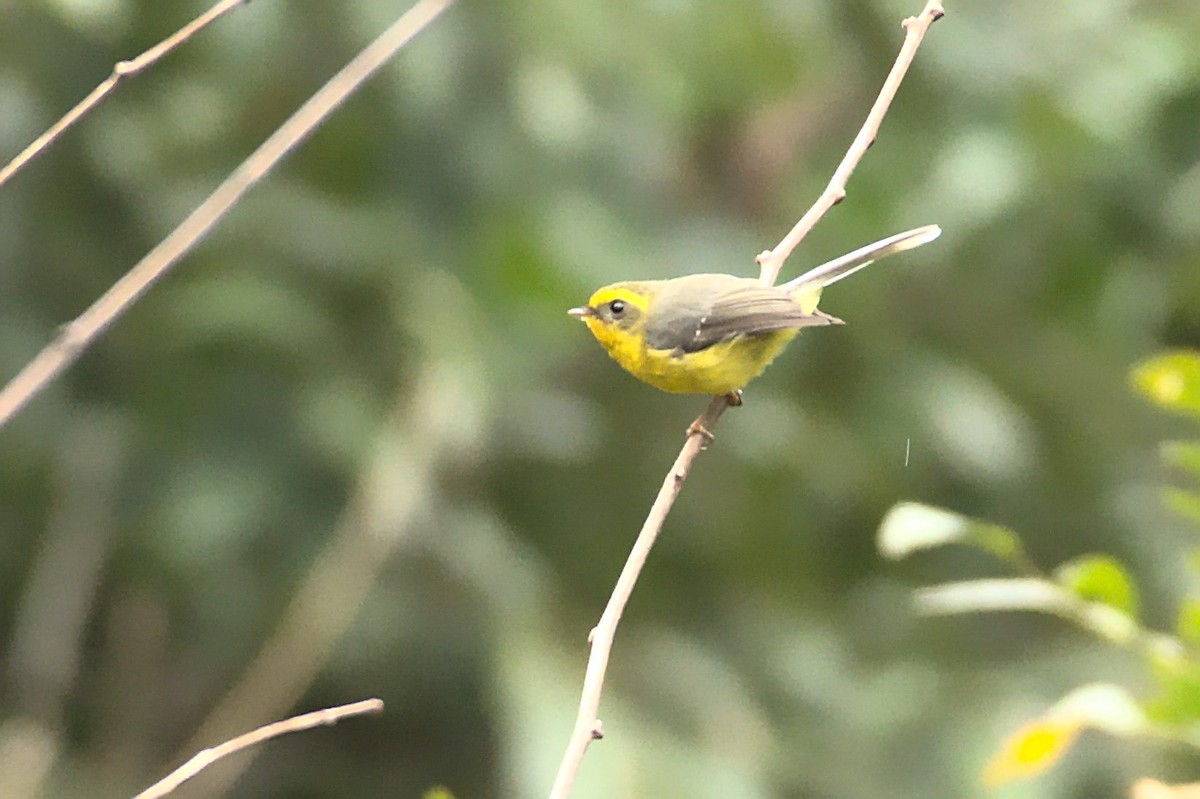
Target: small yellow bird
{"type": "Point", "coordinates": [712, 333]}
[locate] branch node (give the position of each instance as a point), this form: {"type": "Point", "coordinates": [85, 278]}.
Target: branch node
{"type": "Point", "coordinates": [597, 730]}
{"type": "Point", "coordinates": [123, 68]}
{"type": "Point", "coordinates": [71, 339]}
{"type": "Point", "coordinates": [591, 635]}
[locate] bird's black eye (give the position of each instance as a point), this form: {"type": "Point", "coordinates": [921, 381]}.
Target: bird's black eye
{"type": "Point", "coordinates": [617, 307]}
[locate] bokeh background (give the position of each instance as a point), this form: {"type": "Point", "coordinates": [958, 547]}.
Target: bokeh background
{"type": "Point", "coordinates": [354, 447]}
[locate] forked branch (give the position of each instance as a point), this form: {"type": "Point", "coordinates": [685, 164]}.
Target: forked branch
{"type": "Point", "coordinates": [770, 262]}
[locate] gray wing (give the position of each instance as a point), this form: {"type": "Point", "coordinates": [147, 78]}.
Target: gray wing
{"type": "Point", "coordinates": [727, 307]}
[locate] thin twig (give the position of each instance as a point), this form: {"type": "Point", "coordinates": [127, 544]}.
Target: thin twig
{"type": "Point", "coordinates": [121, 70]}
{"type": "Point", "coordinates": [771, 261]}
{"type": "Point", "coordinates": [395, 483]}
{"type": "Point", "coordinates": [205, 758]}
{"type": "Point", "coordinates": [587, 722]}
{"type": "Point", "coordinates": [77, 335]}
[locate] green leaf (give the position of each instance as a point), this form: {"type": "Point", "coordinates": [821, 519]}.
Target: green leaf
{"type": "Point", "coordinates": [1100, 578]}
{"type": "Point", "coordinates": [1171, 381]}
{"type": "Point", "coordinates": [1102, 706]}
{"type": "Point", "coordinates": [1182, 455]}
{"type": "Point", "coordinates": [1178, 701]}
{"type": "Point", "coordinates": [1185, 503]}
{"type": "Point", "coordinates": [973, 596]}
{"type": "Point", "coordinates": [1188, 624]}
{"type": "Point", "coordinates": [911, 526]}
{"type": "Point", "coordinates": [1027, 593]}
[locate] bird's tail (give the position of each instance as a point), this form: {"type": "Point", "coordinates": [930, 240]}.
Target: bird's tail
{"type": "Point", "coordinates": [808, 286]}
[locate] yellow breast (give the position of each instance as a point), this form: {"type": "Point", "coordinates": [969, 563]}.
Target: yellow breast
{"type": "Point", "coordinates": [718, 369]}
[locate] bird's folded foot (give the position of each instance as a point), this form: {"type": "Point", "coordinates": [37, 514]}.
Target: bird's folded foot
{"type": "Point", "coordinates": [734, 398]}
{"type": "Point", "coordinates": [697, 429]}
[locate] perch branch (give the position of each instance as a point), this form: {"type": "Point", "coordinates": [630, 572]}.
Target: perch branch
{"type": "Point", "coordinates": [120, 71]}
{"type": "Point", "coordinates": [78, 335]}
{"type": "Point", "coordinates": [205, 758]}
{"type": "Point", "coordinates": [771, 261]}
{"type": "Point", "coordinates": [587, 722]}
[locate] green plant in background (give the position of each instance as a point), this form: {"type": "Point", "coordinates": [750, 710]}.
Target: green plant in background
{"type": "Point", "coordinates": [1095, 592]}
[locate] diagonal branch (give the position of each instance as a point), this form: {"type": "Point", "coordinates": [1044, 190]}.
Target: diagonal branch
{"type": "Point", "coordinates": [78, 335]}
{"type": "Point", "coordinates": [587, 722]}
{"type": "Point", "coordinates": [206, 757]}
{"type": "Point", "coordinates": [121, 70]}
{"type": "Point", "coordinates": [771, 261]}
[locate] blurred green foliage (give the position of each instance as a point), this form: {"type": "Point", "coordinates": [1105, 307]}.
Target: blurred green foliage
{"type": "Point", "coordinates": [371, 355]}
{"type": "Point", "coordinates": [1096, 592]}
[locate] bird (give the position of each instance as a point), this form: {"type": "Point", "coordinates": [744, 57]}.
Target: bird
{"type": "Point", "coordinates": [714, 333]}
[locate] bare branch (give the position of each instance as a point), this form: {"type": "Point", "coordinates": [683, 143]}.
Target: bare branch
{"type": "Point", "coordinates": [79, 334]}
{"type": "Point", "coordinates": [587, 722]}
{"type": "Point", "coordinates": [771, 261]}
{"type": "Point", "coordinates": [121, 70]}
{"type": "Point", "coordinates": [207, 757]}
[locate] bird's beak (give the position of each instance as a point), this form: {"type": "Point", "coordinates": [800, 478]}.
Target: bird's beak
{"type": "Point", "coordinates": [582, 312]}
